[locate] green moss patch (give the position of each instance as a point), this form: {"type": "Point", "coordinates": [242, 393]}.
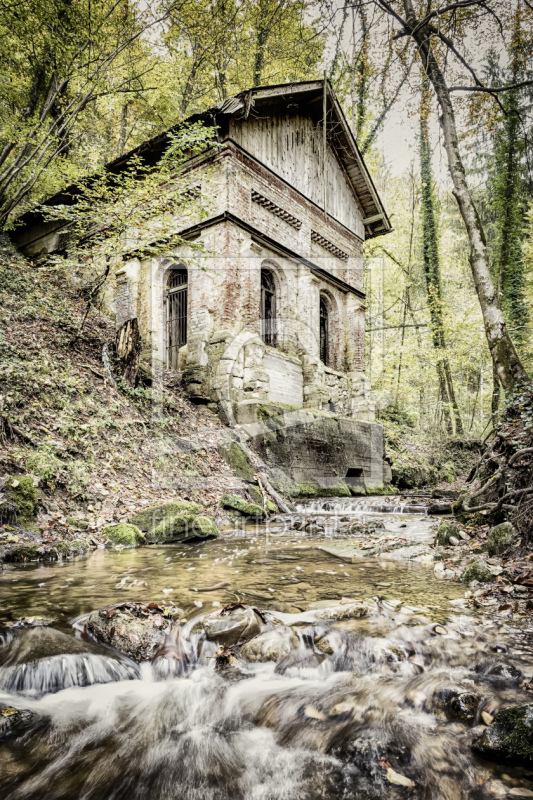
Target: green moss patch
{"type": "Point", "coordinates": [183, 528]}
{"type": "Point", "coordinates": [238, 459]}
{"type": "Point", "coordinates": [238, 504]}
{"type": "Point", "coordinates": [384, 489]}
{"type": "Point", "coordinates": [510, 736]}
{"type": "Point", "coordinates": [257, 497]}
{"type": "Point", "coordinates": [477, 571]}
{"type": "Point", "coordinates": [124, 534]}
{"type": "Point", "coordinates": [500, 538]}
{"type": "Point", "coordinates": [21, 493]}
{"type": "Point", "coordinates": [446, 529]}
{"type": "Point", "coordinates": [149, 519]}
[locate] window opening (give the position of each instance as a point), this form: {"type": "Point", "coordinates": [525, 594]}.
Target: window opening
{"type": "Point", "coordinates": [324, 332]}
{"type": "Point", "coordinates": [268, 308]}
{"type": "Point", "coordinates": [176, 314]}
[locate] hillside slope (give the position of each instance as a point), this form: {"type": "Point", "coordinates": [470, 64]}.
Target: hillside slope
{"type": "Point", "coordinates": [99, 451]}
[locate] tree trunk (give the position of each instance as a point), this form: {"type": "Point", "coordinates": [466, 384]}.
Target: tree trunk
{"type": "Point", "coordinates": [506, 361]}
{"type": "Point", "coordinates": [128, 346]}
{"type": "Point", "coordinates": [432, 270]}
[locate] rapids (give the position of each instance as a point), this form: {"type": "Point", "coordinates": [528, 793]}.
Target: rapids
{"type": "Point", "coordinates": [384, 706]}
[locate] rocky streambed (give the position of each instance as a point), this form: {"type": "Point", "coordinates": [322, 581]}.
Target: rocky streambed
{"type": "Point", "coordinates": [259, 665]}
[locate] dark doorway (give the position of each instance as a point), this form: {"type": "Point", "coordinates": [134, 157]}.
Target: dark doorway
{"type": "Point", "coordinates": [324, 332]}
{"type": "Point", "coordinates": [268, 308]}
{"type": "Point", "coordinates": [176, 314]}
{"type": "Point", "coordinates": [355, 477]}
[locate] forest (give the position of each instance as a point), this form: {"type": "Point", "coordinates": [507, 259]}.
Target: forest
{"type": "Point", "coordinates": [167, 551]}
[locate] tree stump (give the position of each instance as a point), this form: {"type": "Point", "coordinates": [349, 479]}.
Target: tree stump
{"type": "Point", "coordinates": [128, 348]}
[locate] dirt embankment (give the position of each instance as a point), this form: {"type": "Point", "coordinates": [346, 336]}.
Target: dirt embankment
{"type": "Point", "coordinates": [99, 450]}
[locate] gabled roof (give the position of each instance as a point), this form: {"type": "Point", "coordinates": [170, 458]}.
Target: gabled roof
{"type": "Point", "coordinates": [306, 96]}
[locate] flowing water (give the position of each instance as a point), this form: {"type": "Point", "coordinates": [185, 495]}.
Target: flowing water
{"type": "Point", "coordinates": [357, 708]}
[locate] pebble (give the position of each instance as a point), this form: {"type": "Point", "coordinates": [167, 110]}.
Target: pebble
{"type": "Point", "coordinates": [518, 791]}
{"type": "Point", "coordinates": [399, 780]}
{"type": "Point", "coordinates": [487, 718]}
{"type": "Point", "coordinates": [454, 540]}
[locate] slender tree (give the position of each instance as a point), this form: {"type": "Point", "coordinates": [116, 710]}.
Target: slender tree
{"type": "Point", "coordinates": [422, 30]}
{"type": "Point", "coordinates": [432, 273]}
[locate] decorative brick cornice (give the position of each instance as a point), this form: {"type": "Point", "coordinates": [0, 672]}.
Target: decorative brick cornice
{"type": "Point", "coordinates": [276, 210]}
{"type": "Point", "coordinates": [329, 246]}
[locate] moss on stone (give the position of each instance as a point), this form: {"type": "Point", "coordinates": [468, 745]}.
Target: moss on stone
{"type": "Point", "coordinates": [446, 529]}
{"type": "Point", "coordinates": [21, 493]}
{"type": "Point", "coordinates": [257, 497]}
{"type": "Point", "coordinates": [124, 534]}
{"type": "Point", "coordinates": [337, 490]}
{"type": "Point", "coordinates": [477, 571]}
{"type": "Point", "coordinates": [510, 736]}
{"type": "Point", "coordinates": [308, 490]}
{"type": "Point", "coordinates": [357, 491]}
{"type": "Point", "coordinates": [238, 504]}
{"type": "Point", "coordinates": [238, 459]}
{"type": "Point", "coordinates": [182, 528]}
{"type": "Point", "coordinates": [79, 524]}
{"type": "Point", "coordinates": [384, 489]}
{"type": "Point", "coordinates": [150, 518]}
{"type": "Point", "coordinates": [23, 552]}
{"type": "Point", "coordinates": [500, 538]}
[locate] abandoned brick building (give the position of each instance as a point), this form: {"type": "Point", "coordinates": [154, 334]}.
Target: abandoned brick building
{"type": "Point", "coordinates": [272, 311]}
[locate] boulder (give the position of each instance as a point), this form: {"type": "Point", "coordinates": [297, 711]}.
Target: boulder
{"type": "Point", "coordinates": [136, 629]}
{"type": "Point", "coordinates": [446, 530]}
{"type": "Point", "coordinates": [510, 736]}
{"type": "Point", "coordinates": [272, 645]}
{"type": "Point", "coordinates": [500, 538]}
{"type": "Point", "coordinates": [183, 528]}
{"type": "Point", "coordinates": [463, 705]}
{"type": "Point", "coordinates": [124, 535]}
{"type": "Point", "coordinates": [238, 459]}
{"type": "Point", "coordinates": [238, 504]}
{"type": "Point", "coordinates": [234, 623]}
{"type": "Point", "coordinates": [150, 518]}
{"type": "Point", "coordinates": [477, 571]}
{"type": "Point", "coordinates": [13, 720]}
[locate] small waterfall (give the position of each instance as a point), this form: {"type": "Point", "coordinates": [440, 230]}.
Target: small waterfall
{"type": "Point", "coordinates": [358, 506]}
{"type": "Point", "coordinates": [50, 675]}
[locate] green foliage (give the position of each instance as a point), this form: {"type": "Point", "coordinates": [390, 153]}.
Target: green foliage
{"type": "Point", "coordinates": [22, 493]}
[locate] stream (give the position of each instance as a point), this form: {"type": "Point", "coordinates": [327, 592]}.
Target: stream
{"type": "Point", "coordinates": [382, 706]}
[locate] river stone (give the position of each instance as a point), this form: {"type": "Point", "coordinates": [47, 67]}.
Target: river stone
{"type": "Point", "coordinates": [446, 530]}
{"type": "Point", "coordinates": [133, 628]}
{"type": "Point", "coordinates": [150, 518]}
{"type": "Point", "coordinates": [233, 625]}
{"type": "Point", "coordinates": [331, 643]}
{"type": "Point", "coordinates": [13, 719]}
{"type": "Point", "coordinates": [500, 538]}
{"type": "Point", "coordinates": [510, 737]}
{"type": "Point", "coordinates": [353, 610]}
{"type": "Point", "coordinates": [463, 706]}
{"type": "Point", "coordinates": [501, 673]}
{"type": "Point", "coordinates": [240, 505]}
{"type": "Point", "coordinates": [272, 645]}
{"type": "Point", "coordinates": [257, 498]}
{"type": "Point", "coordinates": [477, 571]}
{"type": "Point", "coordinates": [124, 534]}
{"type": "Point", "coordinates": [184, 528]}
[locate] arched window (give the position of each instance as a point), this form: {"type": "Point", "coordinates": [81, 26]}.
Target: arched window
{"type": "Point", "coordinates": [268, 308]}
{"type": "Point", "coordinates": [324, 332]}
{"type": "Point", "coordinates": [176, 314]}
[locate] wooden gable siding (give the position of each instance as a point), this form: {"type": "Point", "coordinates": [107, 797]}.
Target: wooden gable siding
{"type": "Point", "coordinates": [291, 146]}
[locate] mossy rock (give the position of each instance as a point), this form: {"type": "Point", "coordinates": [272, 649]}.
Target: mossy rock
{"type": "Point", "coordinates": [79, 524]}
{"type": "Point", "coordinates": [184, 528]}
{"type": "Point", "coordinates": [384, 489]}
{"type": "Point", "coordinates": [238, 504]}
{"type": "Point", "coordinates": [510, 736]}
{"type": "Point", "coordinates": [150, 518]}
{"type": "Point", "coordinates": [308, 490]}
{"type": "Point", "coordinates": [500, 538]}
{"type": "Point", "coordinates": [477, 571]}
{"type": "Point", "coordinates": [123, 534]}
{"type": "Point", "coordinates": [357, 490]}
{"type": "Point", "coordinates": [21, 493]}
{"type": "Point", "coordinates": [257, 498]}
{"type": "Point", "coordinates": [337, 490]}
{"type": "Point", "coordinates": [238, 459]}
{"type": "Point", "coordinates": [446, 529]}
